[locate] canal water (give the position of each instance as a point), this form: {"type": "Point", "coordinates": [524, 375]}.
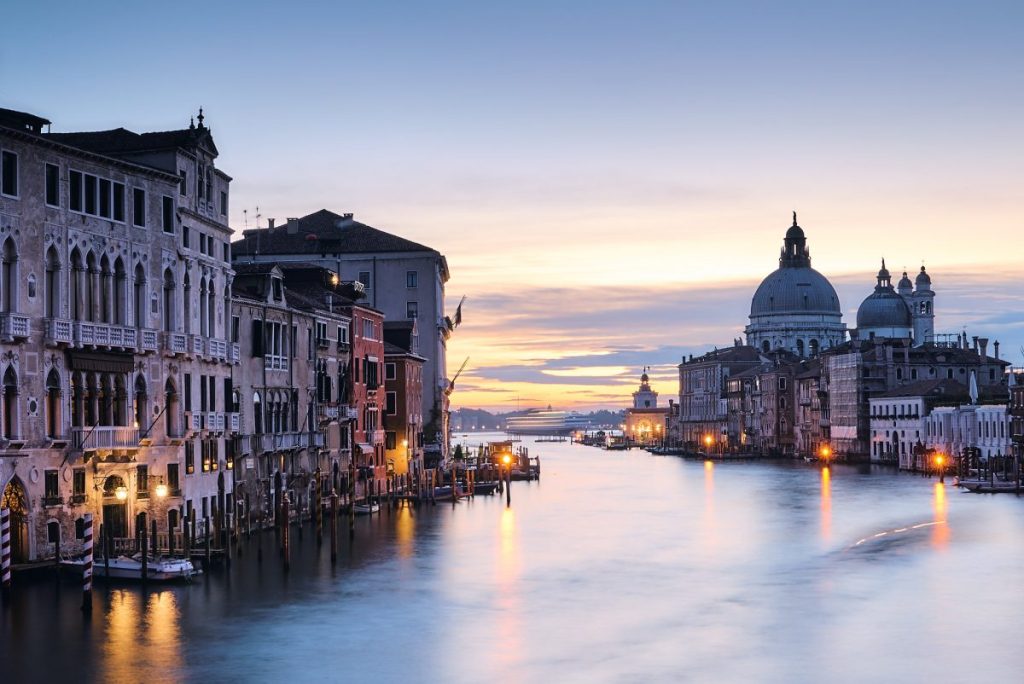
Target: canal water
{"type": "Point", "coordinates": [614, 567]}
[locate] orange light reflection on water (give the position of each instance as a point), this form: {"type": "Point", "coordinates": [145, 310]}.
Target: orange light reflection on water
{"type": "Point", "coordinates": [940, 531]}
{"type": "Point", "coordinates": [405, 533]}
{"type": "Point", "coordinates": [826, 503]}
{"type": "Point", "coordinates": [510, 625]}
{"type": "Point", "coordinates": [137, 637]}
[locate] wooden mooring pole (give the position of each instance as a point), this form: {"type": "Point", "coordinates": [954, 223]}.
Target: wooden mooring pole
{"type": "Point", "coordinates": [285, 532]}
{"type": "Point", "coordinates": [334, 527]}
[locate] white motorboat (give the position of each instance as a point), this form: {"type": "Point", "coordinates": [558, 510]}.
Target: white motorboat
{"type": "Point", "coordinates": [366, 509]}
{"type": "Point", "coordinates": [159, 569]}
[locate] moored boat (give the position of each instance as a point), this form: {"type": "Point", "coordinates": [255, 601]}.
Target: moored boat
{"type": "Point", "coordinates": [158, 569]}
{"type": "Point", "coordinates": [366, 508]}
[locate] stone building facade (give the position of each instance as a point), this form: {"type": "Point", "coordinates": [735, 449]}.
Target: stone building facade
{"type": "Point", "coordinates": [404, 280]}
{"type": "Point", "coordinates": [114, 286]}
{"type": "Point", "coordinates": [403, 406]}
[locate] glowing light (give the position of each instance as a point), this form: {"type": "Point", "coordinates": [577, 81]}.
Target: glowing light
{"type": "Point", "coordinates": [939, 460]}
{"type": "Point", "coordinates": [506, 459]}
{"type": "Point", "coordinates": [826, 451]}
{"type": "Point", "coordinates": [161, 490]}
{"type": "Point", "coordinates": [121, 493]}
{"type": "Point", "coordinates": [707, 440]}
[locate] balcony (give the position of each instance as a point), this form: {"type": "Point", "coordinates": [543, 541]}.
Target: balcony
{"type": "Point", "coordinates": [329, 412]}
{"type": "Point", "coordinates": [58, 331]}
{"type": "Point", "coordinates": [236, 353]}
{"type": "Point", "coordinates": [53, 501]}
{"type": "Point", "coordinates": [191, 422]}
{"type": "Point", "coordinates": [286, 440]}
{"type": "Point", "coordinates": [149, 339]}
{"type": "Point", "coordinates": [275, 362]}
{"type": "Point", "coordinates": [13, 327]}
{"type": "Point", "coordinates": [196, 345]}
{"type": "Point", "coordinates": [234, 422]}
{"type": "Point", "coordinates": [104, 437]}
{"type": "Point", "coordinates": [91, 334]}
{"type": "Point", "coordinates": [175, 343]}
{"type": "Point", "coordinates": [217, 349]}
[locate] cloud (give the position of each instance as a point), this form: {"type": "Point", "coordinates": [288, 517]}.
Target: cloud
{"type": "Point", "coordinates": [584, 346]}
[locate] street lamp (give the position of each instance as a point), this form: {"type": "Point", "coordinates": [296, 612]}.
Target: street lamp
{"type": "Point", "coordinates": [121, 493]}
{"type": "Point", "coordinates": [825, 453]}
{"type": "Point", "coordinates": [939, 462]}
{"type": "Point", "coordinates": [161, 490]}
{"type": "Point", "coordinates": [707, 444]}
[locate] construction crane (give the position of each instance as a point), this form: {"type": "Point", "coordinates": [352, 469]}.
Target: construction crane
{"type": "Point", "coordinates": [451, 383]}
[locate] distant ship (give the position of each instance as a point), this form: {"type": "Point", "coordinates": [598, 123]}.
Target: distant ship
{"type": "Point", "coordinates": [545, 422]}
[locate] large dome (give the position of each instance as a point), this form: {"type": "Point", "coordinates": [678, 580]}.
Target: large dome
{"type": "Point", "coordinates": [795, 307]}
{"type": "Point", "coordinates": [797, 290]}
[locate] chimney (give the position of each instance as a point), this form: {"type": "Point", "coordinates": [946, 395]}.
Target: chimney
{"type": "Point", "coordinates": [983, 344]}
{"type": "Point", "coordinates": [995, 348]}
{"type": "Point", "coordinates": [347, 217]}
{"type": "Point", "coordinates": [974, 339]}
{"type": "Point", "coordinates": [293, 226]}
{"type": "Point", "coordinates": [270, 224]}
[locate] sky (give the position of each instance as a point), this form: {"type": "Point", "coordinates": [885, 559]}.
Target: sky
{"type": "Point", "coordinates": [608, 181]}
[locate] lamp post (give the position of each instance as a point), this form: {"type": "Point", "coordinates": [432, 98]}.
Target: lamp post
{"type": "Point", "coordinates": [408, 460]}
{"type": "Point", "coordinates": [707, 444]}
{"type": "Point", "coordinates": [939, 467]}
{"type": "Point", "coordinates": [507, 460]}
{"type": "Point", "coordinates": [825, 453]}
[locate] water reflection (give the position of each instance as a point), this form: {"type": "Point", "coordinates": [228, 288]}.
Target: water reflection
{"type": "Point", "coordinates": [826, 503]}
{"type": "Point", "coordinates": [137, 637]}
{"type": "Point", "coordinates": [510, 628]}
{"type": "Point", "coordinates": [405, 532]}
{"type": "Point", "coordinates": [940, 531]}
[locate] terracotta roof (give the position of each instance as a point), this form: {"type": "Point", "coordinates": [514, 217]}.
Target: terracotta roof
{"type": "Point", "coordinates": [943, 388]}
{"type": "Point", "coordinates": [324, 232]}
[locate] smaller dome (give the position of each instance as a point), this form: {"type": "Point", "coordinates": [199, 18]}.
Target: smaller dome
{"type": "Point", "coordinates": [923, 278]}
{"type": "Point", "coordinates": [883, 309]}
{"type": "Point", "coordinates": [795, 232]}
{"type": "Point", "coordinates": [883, 273]}
{"type": "Point", "coordinates": [644, 378]}
{"type": "Point", "coordinates": [905, 283]}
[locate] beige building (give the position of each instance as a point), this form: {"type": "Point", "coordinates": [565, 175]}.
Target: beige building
{"type": "Point", "coordinates": [113, 341]}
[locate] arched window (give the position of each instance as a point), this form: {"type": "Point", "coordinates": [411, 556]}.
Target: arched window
{"type": "Point", "coordinates": [120, 282]}
{"type": "Point", "coordinates": [766, 346]}
{"type": "Point", "coordinates": [120, 400]}
{"type": "Point", "coordinates": [202, 307]}
{"type": "Point", "coordinates": [106, 400]}
{"type": "Point", "coordinates": [53, 417]}
{"type": "Point", "coordinates": [141, 403]}
{"type": "Point", "coordinates": [168, 301]}
{"type": "Point", "coordinates": [211, 309]}
{"type": "Point", "coordinates": [800, 347]}
{"type": "Point", "coordinates": [815, 347]}
{"type": "Point", "coordinates": [77, 285]}
{"type": "Point", "coordinates": [52, 283]}
{"type": "Point", "coordinates": [171, 409]}
{"type": "Point", "coordinates": [187, 303]}
{"type": "Point", "coordinates": [10, 422]}
{"type": "Point", "coordinates": [106, 290]}
{"type": "Point", "coordinates": [91, 392]}
{"type": "Point", "coordinates": [9, 276]}
{"type": "Point", "coordinates": [92, 276]}
{"type": "Point", "coordinates": [257, 413]}
{"type": "Point", "coordinates": [139, 297]}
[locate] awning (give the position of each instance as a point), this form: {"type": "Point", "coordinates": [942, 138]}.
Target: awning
{"type": "Point", "coordinates": [107, 362]}
{"type": "Point", "coordinates": [365, 448]}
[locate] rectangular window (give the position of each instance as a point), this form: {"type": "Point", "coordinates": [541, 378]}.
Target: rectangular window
{"type": "Point", "coordinates": [364, 278]}
{"type": "Point", "coordinates": [52, 488]}
{"type": "Point", "coordinates": [188, 391]}
{"type": "Point", "coordinates": [390, 440]}
{"type": "Point", "coordinates": [142, 479]}
{"type": "Point", "coordinates": [234, 328]}
{"type": "Point", "coordinates": [367, 329]}
{"type": "Point", "coordinates": [412, 309]}
{"type": "Point", "coordinates": [119, 202]}
{"type": "Point", "coordinates": [74, 190]}
{"type": "Point", "coordinates": [104, 198]}
{"type": "Point", "coordinates": [391, 402]}
{"type": "Point", "coordinates": [389, 371]}
{"type": "Point", "coordinates": [168, 214]}
{"type": "Point", "coordinates": [185, 234]}
{"type": "Point", "coordinates": [53, 185]}
{"type": "Point", "coordinates": [411, 278]}
{"type": "Point", "coordinates": [9, 174]}
{"type": "Point", "coordinates": [202, 393]}
{"type": "Point", "coordinates": [223, 203]}
{"type": "Point", "coordinates": [183, 183]}
{"type": "Point", "coordinates": [190, 457]}
{"type": "Point", "coordinates": [138, 205]}
{"type": "Point", "coordinates": [205, 446]}
{"type": "Point", "coordinates": [227, 252]}
{"type": "Point", "coordinates": [90, 193]}
{"type": "Point", "coordinates": [172, 477]}
{"type": "Point", "coordinates": [78, 481]}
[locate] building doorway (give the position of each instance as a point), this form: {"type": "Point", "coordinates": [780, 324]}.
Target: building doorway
{"type": "Point", "coordinates": [14, 500]}
{"type": "Point", "coordinates": [115, 514]}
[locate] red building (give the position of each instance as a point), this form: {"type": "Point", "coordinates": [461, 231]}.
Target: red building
{"type": "Point", "coordinates": [403, 421]}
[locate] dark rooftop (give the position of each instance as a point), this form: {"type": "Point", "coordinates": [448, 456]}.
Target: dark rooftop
{"type": "Point", "coordinates": [323, 232]}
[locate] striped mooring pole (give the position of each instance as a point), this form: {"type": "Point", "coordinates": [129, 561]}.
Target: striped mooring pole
{"type": "Point", "coordinates": [5, 552]}
{"type": "Point", "coordinates": [87, 565]}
